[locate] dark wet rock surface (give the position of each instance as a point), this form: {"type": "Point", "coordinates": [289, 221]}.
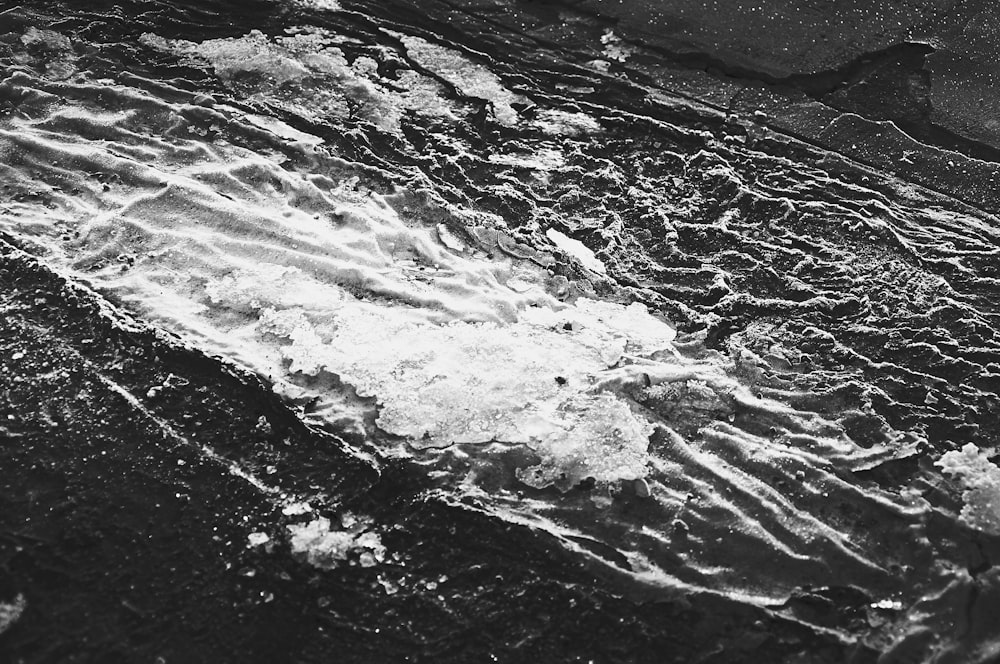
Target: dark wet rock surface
{"type": "Point", "coordinates": [940, 52]}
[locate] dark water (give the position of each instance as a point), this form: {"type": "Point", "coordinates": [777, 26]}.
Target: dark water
{"type": "Point", "coordinates": [222, 168]}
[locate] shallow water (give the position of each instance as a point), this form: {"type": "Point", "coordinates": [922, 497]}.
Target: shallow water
{"type": "Point", "coordinates": [715, 360]}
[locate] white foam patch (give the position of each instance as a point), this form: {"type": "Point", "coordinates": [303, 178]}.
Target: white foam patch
{"type": "Point", "coordinates": [46, 40]}
{"type": "Point", "coordinates": [981, 479]}
{"type": "Point", "coordinates": [304, 72]}
{"type": "Point", "coordinates": [322, 5]}
{"type": "Point", "coordinates": [577, 250]}
{"type": "Point", "coordinates": [324, 547]}
{"type": "Point", "coordinates": [472, 79]}
{"type": "Point", "coordinates": [589, 436]}
{"type": "Point", "coordinates": [11, 612]}
{"type": "Point", "coordinates": [565, 123]}
{"type": "Point", "coordinates": [299, 275]}
{"type": "Point", "coordinates": [445, 382]}
{"type": "Point", "coordinates": [546, 159]}
{"type": "Point", "coordinates": [283, 130]}
{"type": "Point", "coordinates": [307, 73]}
{"type": "Point", "coordinates": [616, 49]}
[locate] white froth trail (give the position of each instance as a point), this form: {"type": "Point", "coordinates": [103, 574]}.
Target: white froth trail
{"type": "Point", "coordinates": [297, 272]}
{"type": "Point", "coordinates": [252, 241]}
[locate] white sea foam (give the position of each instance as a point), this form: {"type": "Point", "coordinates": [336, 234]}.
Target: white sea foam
{"type": "Point", "coordinates": [322, 5]}
{"type": "Point", "coordinates": [322, 546]}
{"type": "Point", "coordinates": [296, 273]}
{"type": "Point", "coordinates": [10, 612]}
{"type": "Point", "coordinates": [565, 123]}
{"type": "Point", "coordinates": [246, 237]}
{"type": "Point", "coordinates": [615, 48]}
{"type": "Point", "coordinates": [576, 249]}
{"type": "Point", "coordinates": [306, 72]}
{"type": "Point", "coordinates": [470, 78]}
{"type": "Point", "coordinates": [981, 479]}
{"type": "Point", "coordinates": [440, 382]}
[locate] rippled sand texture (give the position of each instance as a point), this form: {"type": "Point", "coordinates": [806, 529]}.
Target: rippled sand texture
{"type": "Point", "coordinates": [476, 267]}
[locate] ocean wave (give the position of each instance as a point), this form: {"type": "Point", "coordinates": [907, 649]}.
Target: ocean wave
{"type": "Point", "coordinates": [706, 357]}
